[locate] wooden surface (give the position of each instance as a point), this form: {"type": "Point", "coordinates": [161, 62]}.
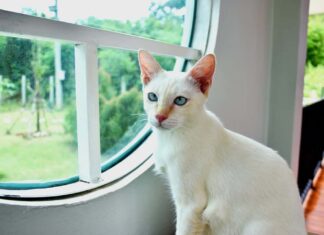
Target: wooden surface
{"type": "Point", "coordinates": [314, 205]}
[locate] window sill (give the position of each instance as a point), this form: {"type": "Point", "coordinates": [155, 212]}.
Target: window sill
{"type": "Point", "coordinates": [115, 178]}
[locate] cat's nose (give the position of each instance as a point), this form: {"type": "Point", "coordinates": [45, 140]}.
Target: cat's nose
{"type": "Point", "coordinates": [160, 117]}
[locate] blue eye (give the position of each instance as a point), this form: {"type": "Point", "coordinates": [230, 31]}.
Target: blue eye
{"type": "Point", "coordinates": [152, 97]}
{"type": "Point", "coordinates": [180, 100]}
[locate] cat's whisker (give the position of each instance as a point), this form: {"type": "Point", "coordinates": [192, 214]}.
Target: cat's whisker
{"type": "Point", "coordinates": [138, 114]}
{"type": "Point", "coordinates": [172, 122]}
{"type": "Point", "coordinates": [142, 117]}
{"type": "Point", "coordinates": [141, 120]}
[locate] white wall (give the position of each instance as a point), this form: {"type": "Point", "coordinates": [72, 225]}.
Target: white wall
{"type": "Point", "coordinates": [243, 50]}
{"type": "Point", "coordinates": [287, 77]}
{"type": "Point", "coordinates": [143, 207]}
{"type": "Point", "coordinates": [241, 97]}
{"type": "Point", "coordinates": [259, 79]}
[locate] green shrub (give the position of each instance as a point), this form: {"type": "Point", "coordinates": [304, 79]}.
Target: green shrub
{"type": "Point", "coordinates": [314, 82]}
{"type": "Point", "coordinates": [315, 40]}
{"type": "Point", "coordinates": [8, 88]}
{"type": "Point", "coordinates": [70, 122]}
{"type": "Point", "coordinates": [118, 118]}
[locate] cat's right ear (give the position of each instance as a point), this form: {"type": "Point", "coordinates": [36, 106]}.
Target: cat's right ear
{"type": "Point", "coordinates": [202, 72]}
{"type": "Point", "coordinates": [148, 65]}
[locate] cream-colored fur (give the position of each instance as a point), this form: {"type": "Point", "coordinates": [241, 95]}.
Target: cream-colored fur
{"type": "Point", "coordinates": [222, 183]}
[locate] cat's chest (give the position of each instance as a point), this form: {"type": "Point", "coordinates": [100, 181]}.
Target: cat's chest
{"type": "Point", "coordinates": [175, 156]}
{"type": "Point", "coordinates": [166, 156]}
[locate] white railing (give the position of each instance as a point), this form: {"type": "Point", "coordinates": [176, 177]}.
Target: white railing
{"type": "Point", "coordinates": [35, 27]}
{"type": "Point", "coordinates": [87, 40]}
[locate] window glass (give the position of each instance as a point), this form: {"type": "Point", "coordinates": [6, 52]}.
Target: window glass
{"type": "Point", "coordinates": [35, 141]}
{"type": "Point", "coordinates": [162, 20]}
{"type": "Point", "coordinates": [38, 131]}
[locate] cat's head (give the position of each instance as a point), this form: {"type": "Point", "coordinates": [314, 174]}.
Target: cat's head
{"type": "Point", "coordinates": [173, 99]}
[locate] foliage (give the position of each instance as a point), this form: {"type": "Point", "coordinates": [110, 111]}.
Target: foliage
{"type": "Point", "coordinates": [106, 89]}
{"type": "Point", "coordinates": [315, 40]}
{"type": "Point", "coordinates": [120, 109]}
{"type": "Point", "coordinates": [67, 59]}
{"type": "Point", "coordinates": [121, 67]}
{"type": "Point", "coordinates": [16, 58]}
{"type": "Point", "coordinates": [70, 122]}
{"type": "Point", "coordinates": [314, 82]}
{"type": "Point", "coordinates": [8, 88]}
{"type": "Point", "coordinates": [117, 115]}
{"type": "Point", "coordinates": [120, 99]}
{"type": "Point", "coordinates": [3, 42]}
{"type": "Point", "coordinates": [38, 68]}
{"type": "Point", "coordinates": [314, 72]}
{"type": "Point", "coordinates": [161, 11]}
{"type": "Point", "coordinates": [46, 57]}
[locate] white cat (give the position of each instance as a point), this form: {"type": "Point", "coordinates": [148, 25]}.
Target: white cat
{"type": "Point", "coordinates": [222, 183]}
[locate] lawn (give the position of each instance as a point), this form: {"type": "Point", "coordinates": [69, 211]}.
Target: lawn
{"type": "Point", "coordinates": [49, 156]}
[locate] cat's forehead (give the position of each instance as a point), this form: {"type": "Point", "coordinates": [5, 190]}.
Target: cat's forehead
{"type": "Point", "coordinates": [171, 81]}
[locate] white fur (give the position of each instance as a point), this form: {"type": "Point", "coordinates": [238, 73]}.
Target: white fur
{"type": "Point", "coordinates": [222, 183]}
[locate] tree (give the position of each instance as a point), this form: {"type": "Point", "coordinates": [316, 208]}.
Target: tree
{"type": "Point", "coordinates": [161, 11]}
{"type": "Point", "coordinates": [67, 57]}
{"type": "Point", "coordinates": [315, 40]}
{"type": "Point", "coordinates": [117, 116]}
{"type": "Point", "coordinates": [3, 43]}
{"type": "Point", "coordinates": [38, 72]}
{"type": "Point", "coordinates": [121, 67]}
{"type": "Point", "coordinates": [17, 57]}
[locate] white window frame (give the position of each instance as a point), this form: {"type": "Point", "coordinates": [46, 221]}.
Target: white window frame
{"type": "Point", "coordinates": [87, 40]}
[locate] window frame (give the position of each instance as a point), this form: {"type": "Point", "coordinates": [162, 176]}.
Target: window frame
{"type": "Point", "coordinates": [93, 174]}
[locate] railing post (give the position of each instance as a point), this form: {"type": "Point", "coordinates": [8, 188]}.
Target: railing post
{"type": "Point", "coordinates": [58, 77]}
{"type": "Point", "coordinates": [23, 90]}
{"type": "Point", "coordinates": [87, 102]}
{"type": "Point", "coordinates": [1, 85]}
{"type": "Point", "coordinates": [51, 90]}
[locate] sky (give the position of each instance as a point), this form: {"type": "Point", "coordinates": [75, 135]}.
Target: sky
{"type": "Point", "coordinates": [72, 10]}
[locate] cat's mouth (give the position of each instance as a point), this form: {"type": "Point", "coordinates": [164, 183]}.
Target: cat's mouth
{"type": "Point", "coordinates": [161, 126]}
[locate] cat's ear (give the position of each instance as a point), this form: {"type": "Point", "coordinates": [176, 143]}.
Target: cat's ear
{"type": "Point", "coordinates": [203, 71]}
{"type": "Point", "coordinates": [148, 65]}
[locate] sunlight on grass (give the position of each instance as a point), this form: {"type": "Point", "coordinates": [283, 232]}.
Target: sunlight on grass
{"type": "Point", "coordinates": [48, 157]}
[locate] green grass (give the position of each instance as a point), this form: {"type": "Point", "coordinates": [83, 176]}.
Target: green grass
{"type": "Point", "coordinates": [25, 158]}
{"type": "Point", "coordinates": [313, 83]}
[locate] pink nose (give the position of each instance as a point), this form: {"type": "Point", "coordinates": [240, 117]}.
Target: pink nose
{"type": "Point", "coordinates": [160, 117]}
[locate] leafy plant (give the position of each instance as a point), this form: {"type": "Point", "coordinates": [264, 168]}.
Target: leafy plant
{"type": "Point", "coordinates": [314, 82]}
{"type": "Point", "coordinates": [315, 40]}
{"type": "Point", "coordinates": [16, 58]}
{"type": "Point", "coordinates": [117, 115]}
{"type": "Point", "coordinates": [8, 88]}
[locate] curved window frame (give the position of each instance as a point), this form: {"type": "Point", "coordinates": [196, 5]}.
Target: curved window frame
{"type": "Point", "coordinates": [138, 152]}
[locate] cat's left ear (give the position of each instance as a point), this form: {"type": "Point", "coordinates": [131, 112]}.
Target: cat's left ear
{"type": "Point", "coordinates": [203, 71]}
{"type": "Point", "coordinates": [148, 65]}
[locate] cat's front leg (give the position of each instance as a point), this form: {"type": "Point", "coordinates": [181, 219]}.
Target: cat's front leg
{"type": "Point", "coordinates": [189, 221]}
